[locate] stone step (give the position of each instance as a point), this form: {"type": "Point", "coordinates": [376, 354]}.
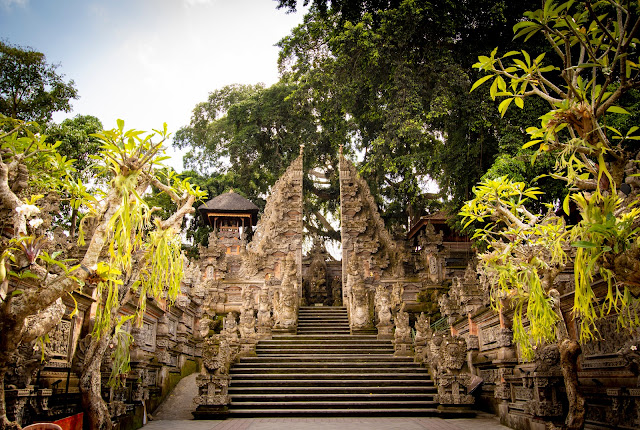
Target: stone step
{"type": "Point", "coordinates": [330, 397]}
{"type": "Point", "coordinates": [356, 358]}
{"type": "Point", "coordinates": [325, 390]}
{"type": "Point", "coordinates": [345, 337]}
{"type": "Point", "coordinates": [371, 382]}
{"type": "Point", "coordinates": [299, 357]}
{"type": "Point", "coordinates": [311, 321]}
{"type": "Point", "coordinates": [327, 351]}
{"type": "Point", "coordinates": [332, 344]}
{"type": "Point", "coordinates": [329, 370]}
{"type": "Point", "coordinates": [323, 364]}
{"type": "Point", "coordinates": [322, 308]}
{"type": "Point", "coordinates": [333, 412]}
{"type": "Point", "coordinates": [310, 331]}
{"type": "Point", "coordinates": [323, 321]}
{"type": "Point", "coordinates": [373, 379]}
{"type": "Point", "coordinates": [321, 404]}
{"type": "Point", "coordinates": [303, 314]}
{"type": "Point", "coordinates": [324, 370]}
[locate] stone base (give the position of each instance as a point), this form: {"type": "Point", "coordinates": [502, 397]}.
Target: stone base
{"type": "Point", "coordinates": [456, 411]}
{"type": "Point", "coordinates": [363, 330]}
{"type": "Point", "coordinates": [206, 412]}
{"type": "Point", "coordinates": [385, 332]}
{"type": "Point", "coordinates": [291, 330]}
{"type": "Point", "coordinates": [403, 350]}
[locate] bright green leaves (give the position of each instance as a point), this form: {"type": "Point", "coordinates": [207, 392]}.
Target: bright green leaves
{"type": "Point", "coordinates": [523, 248]}
{"type": "Point", "coordinates": [527, 251]}
{"type": "Point", "coordinates": [500, 198]}
{"type": "Point", "coordinates": [121, 356]}
{"type": "Point", "coordinates": [514, 81]}
{"type": "Point", "coordinates": [480, 81]}
{"type": "Point", "coordinates": [142, 252]}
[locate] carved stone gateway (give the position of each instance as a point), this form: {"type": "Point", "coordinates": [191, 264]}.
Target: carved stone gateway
{"type": "Point", "coordinates": [261, 281]}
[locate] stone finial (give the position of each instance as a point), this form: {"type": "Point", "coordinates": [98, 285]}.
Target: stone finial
{"type": "Point", "coordinates": [301, 148]}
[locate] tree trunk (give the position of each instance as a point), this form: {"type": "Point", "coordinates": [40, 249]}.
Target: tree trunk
{"type": "Point", "coordinates": [94, 406]}
{"type": "Point", "coordinates": [74, 221]}
{"type": "Point", "coordinates": [569, 352]}
{"type": "Point", "coordinates": [5, 424]}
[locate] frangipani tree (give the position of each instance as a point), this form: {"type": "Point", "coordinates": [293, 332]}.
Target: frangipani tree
{"type": "Point", "coordinates": [595, 44]}
{"type": "Point", "coordinates": [125, 249]}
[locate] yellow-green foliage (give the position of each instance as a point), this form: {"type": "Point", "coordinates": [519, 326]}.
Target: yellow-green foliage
{"type": "Point", "coordinates": [528, 250]}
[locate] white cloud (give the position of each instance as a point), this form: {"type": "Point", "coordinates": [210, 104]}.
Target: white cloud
{"type": "Point", "coordinates": [10, 3]}
{"type": "Point", "coordinates": [197, 2]}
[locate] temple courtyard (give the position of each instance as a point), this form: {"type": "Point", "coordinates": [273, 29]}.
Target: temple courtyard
{"type": "Point", "coordinates": [481, 422]}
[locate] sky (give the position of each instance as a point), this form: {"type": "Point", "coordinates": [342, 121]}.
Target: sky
{"type": "Point", "coordinates": [150, 61]}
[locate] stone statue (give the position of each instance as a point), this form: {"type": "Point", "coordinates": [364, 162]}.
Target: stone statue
{"type": "Point", "coordinates": [204, 326]}
{"type": "Point", "coordinates": [383, 311]}
{"type": "Point", "coordinates": [396, 296]}
{"type": "Point", "coordinates": [336, 291]}
{"type": "Point", "coordinates": [317, 292]}
{"type": "Point", "coordinates": [423, 329]}
{"type": "Point", "coordinates": [247, 325]}
{"type": "Point", "coordinates": [264, 309]}
{"type": "Point", "coordinates": [287, 300]}
{"type": "Point", "coordinates": [403, 329]}
{"type": "Point", "coordinates": [383, 306]}
{"type": "Point", "coordinates": [359, 298]}
{"type": "Point", "coordinates": [402, 336]}
{"type": "Point", "coordinates": [230, 328]}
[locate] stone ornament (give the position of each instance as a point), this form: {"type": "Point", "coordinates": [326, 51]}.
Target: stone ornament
{"type": "Point", "coordinates": [286, 305]}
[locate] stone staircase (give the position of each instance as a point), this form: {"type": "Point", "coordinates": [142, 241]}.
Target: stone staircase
{"type": "Point", "coordinates": [326, 371]}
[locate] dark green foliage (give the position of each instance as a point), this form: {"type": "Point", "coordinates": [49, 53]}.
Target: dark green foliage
{"type": "Point", "coordinates": [387, 80]}
{"type": "Point", "coordinates": [77, 142]}
{"type": "Point", "coordinates": [398, 77]}
{"type": "Point", "coordinates": [244, 137]}
{"type": "Point", "coordinates": [30, 88]}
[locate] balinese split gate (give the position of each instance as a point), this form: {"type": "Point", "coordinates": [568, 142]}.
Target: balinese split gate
{"type": "Point", "coordinates": [323, 337]}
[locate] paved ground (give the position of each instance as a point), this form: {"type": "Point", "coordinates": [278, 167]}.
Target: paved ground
{"type": "Point", "coordinates": [482, 422]}
{"type": "Point", "coordinates": [179, 403]}
{"type": "Point", "coordinates": [175, 414]}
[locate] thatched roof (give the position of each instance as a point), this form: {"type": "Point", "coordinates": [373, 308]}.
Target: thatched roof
{"type": "Point", "coordinates": [229, 203]}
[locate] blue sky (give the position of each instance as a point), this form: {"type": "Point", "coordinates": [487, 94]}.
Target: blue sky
{"type": "Point", "coordinates": [150, 61]}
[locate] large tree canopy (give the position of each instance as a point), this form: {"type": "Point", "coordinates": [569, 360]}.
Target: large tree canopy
{"type": "Point", "coordinates": [30, 88]}
{"type": "Point", "coordinates": [389, 81]}
{"type": "Point", "coordinates": [400, 74]}
{"type": "Point", "coordinates": [246, 136]}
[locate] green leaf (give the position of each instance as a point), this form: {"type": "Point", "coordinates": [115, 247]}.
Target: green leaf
{"type": "Point", "coordinates": [480, 81]}
{"type": "Point", "coordinates": [565, 204]}
{"type": "Point", "coordinates": [531, 143]}
{"type": "Point", "coordinates": [584, 244]}
{"type": "Point", "coordinates": [618, 109]}
{"type": "Point", "coordinates": [494, 89]}
{"type": "Point", "coordinates": [519, 102]}
{"type": "Point", "coordinates": [504, 105]}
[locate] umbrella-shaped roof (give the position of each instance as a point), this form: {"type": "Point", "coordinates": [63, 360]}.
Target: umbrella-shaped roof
{"type": "Point", "coordinates": [229, 204]}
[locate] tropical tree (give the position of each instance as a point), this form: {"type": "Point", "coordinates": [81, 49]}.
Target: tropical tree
{"type": "Point", "coordinates": [144, 254]}
{"type": "Point", "coordinates": [30, 88]}
{"type": "Point", "coordinates": [586, 87]}
{"type": "Point", "coordinates": [77, 142]}
{"type": "Point", "coordinates": [398, 73]}
{"type": "Point", "coordinates": [244, 137]}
